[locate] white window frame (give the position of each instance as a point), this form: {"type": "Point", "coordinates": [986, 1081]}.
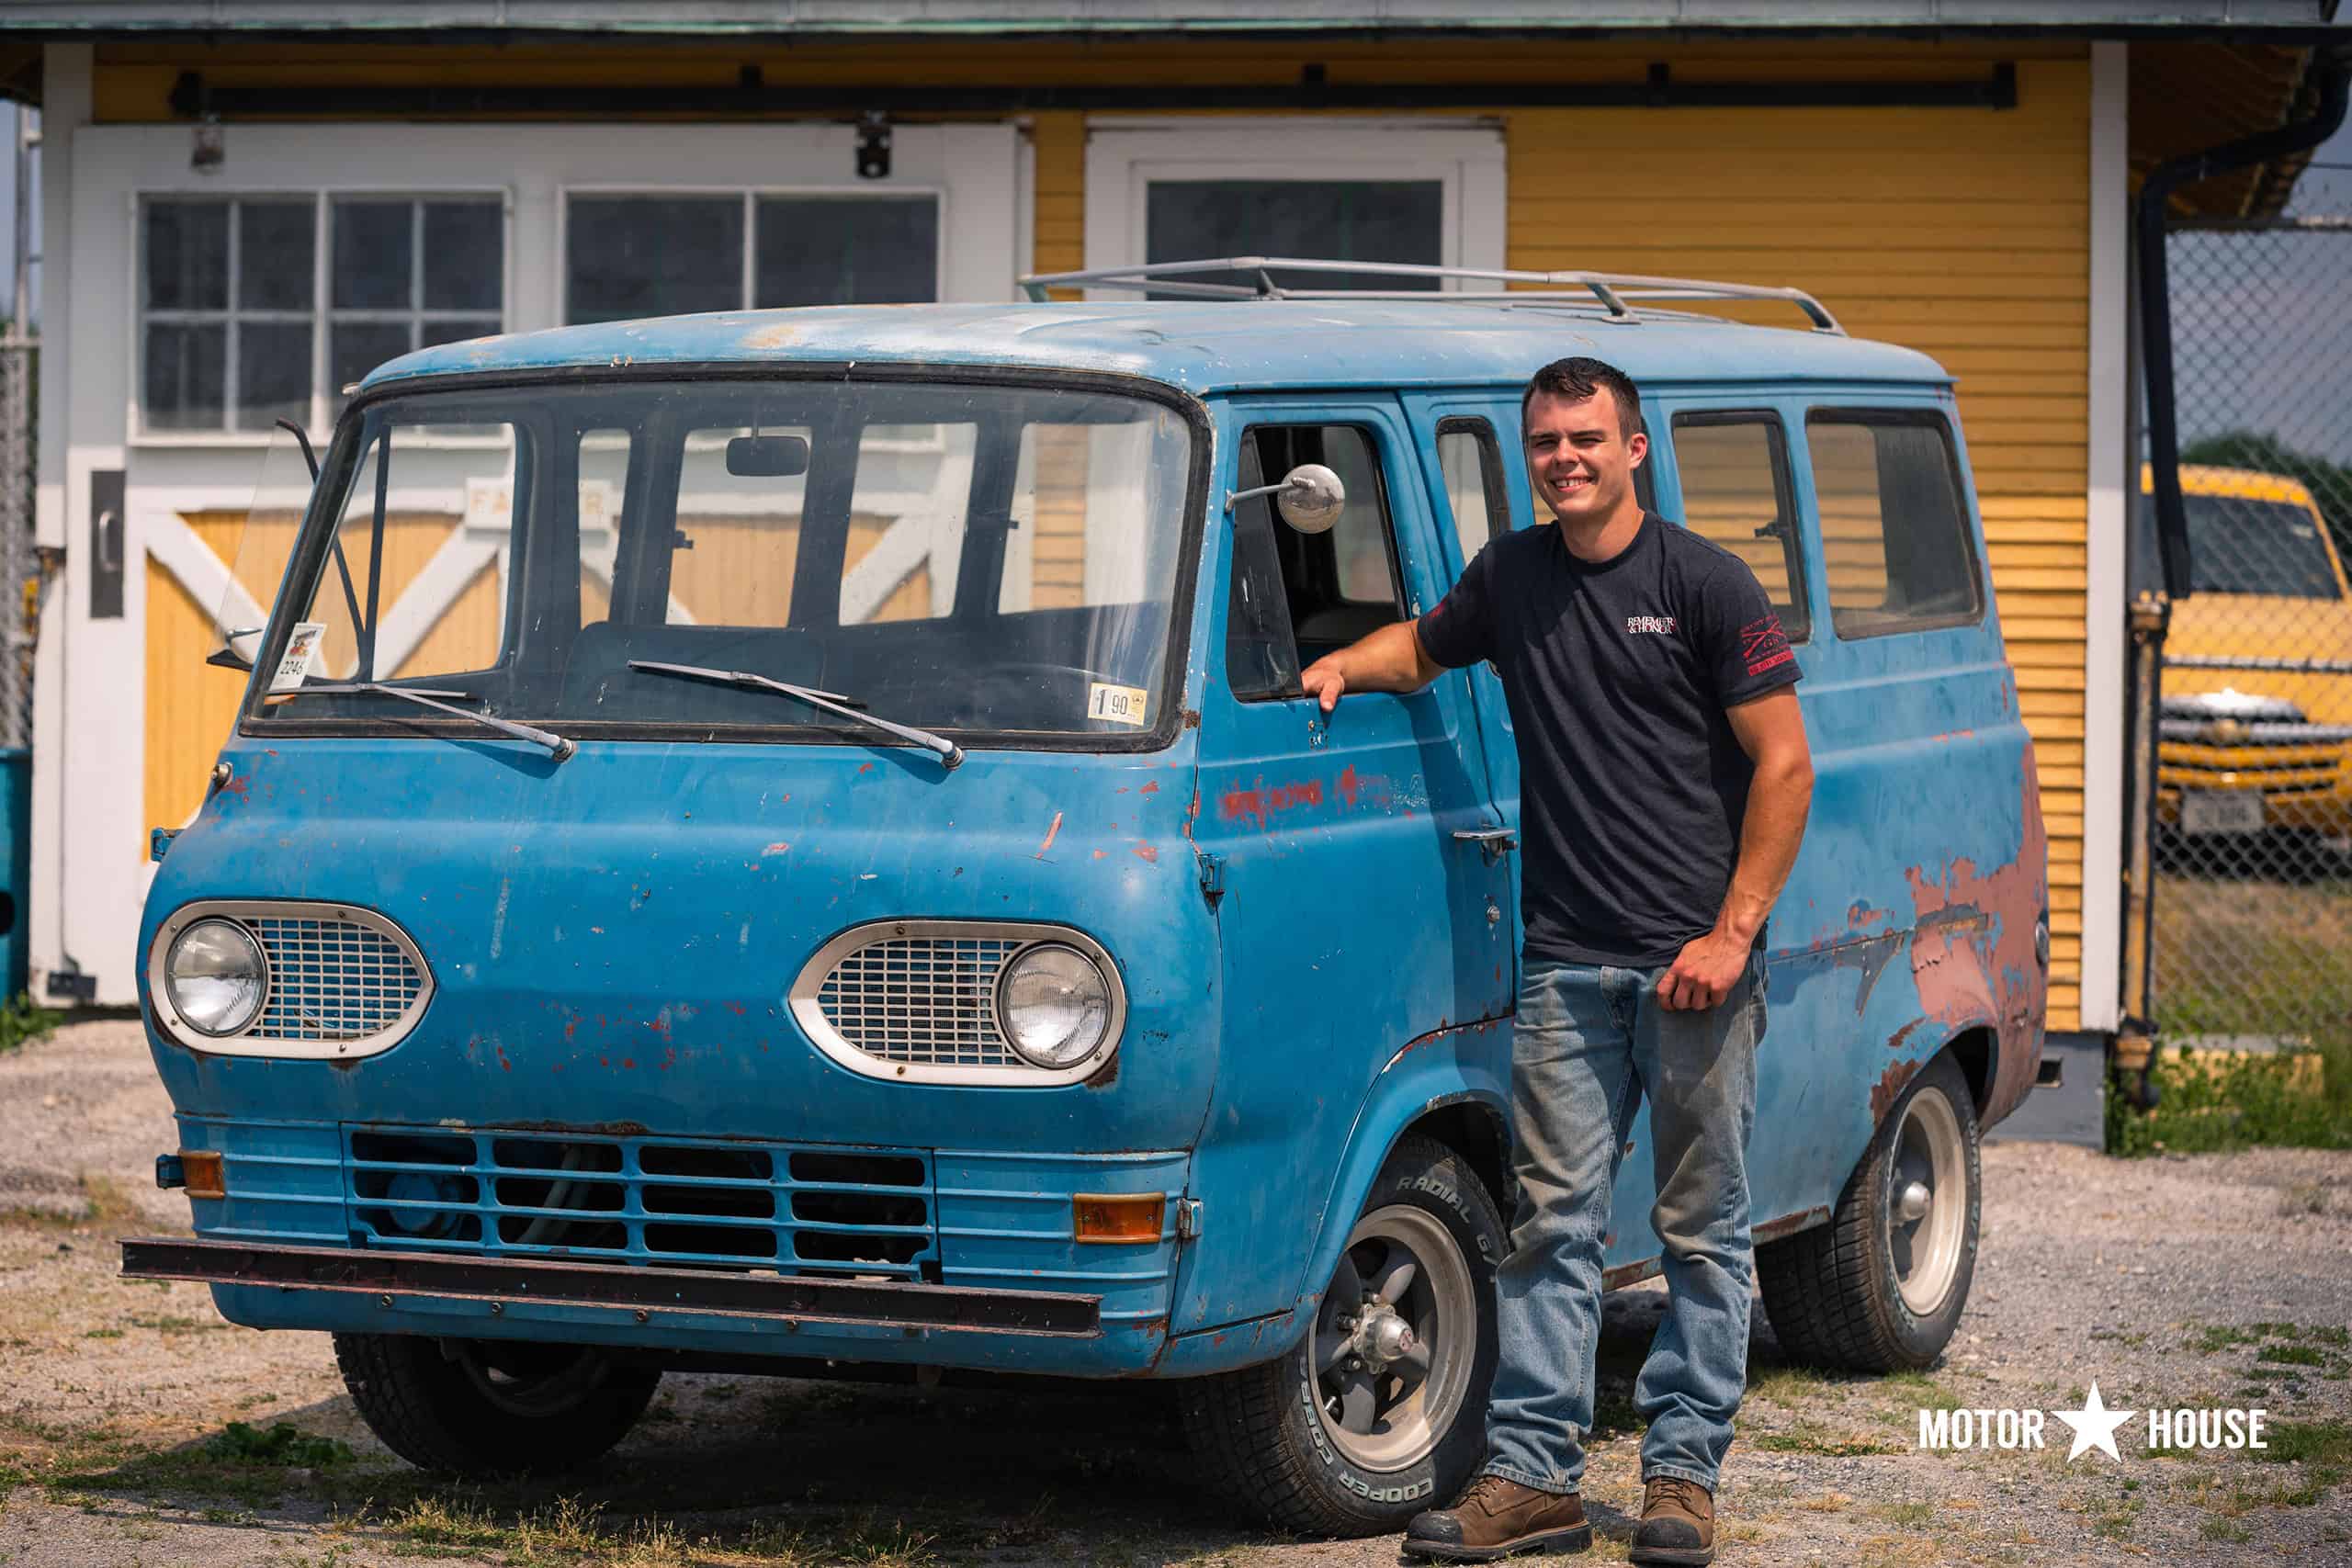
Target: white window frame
{"type": "Point", "coordinates": [322, 313]}
{"type": "Point", "coordinates": [1124, 156]}
{"type": "Point", "coordinates": [973, 167]}
{"type": "Point", "coordinates": [751, 196]}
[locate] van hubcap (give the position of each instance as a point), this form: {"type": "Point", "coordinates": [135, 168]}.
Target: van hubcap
{"type": "Point", "coordinates": [1927, 1205]}
{"type": "Point", "coordinates": [1394, 1339]}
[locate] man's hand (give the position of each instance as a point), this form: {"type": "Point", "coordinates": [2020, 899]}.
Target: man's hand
{"type": "Point", "coordinates": [1324, 680]}
{"type": "Point", "coordinates": [1390, 660]}
{"type": "Point", "coordinates": [1703, 971]}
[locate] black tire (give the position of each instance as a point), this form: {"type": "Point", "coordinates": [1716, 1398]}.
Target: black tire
{"type": "Point", "coordinates": [479, 1408]}
{"type": "Point", "coordinates": [1834, 1294]}
{"type": "Point", "coordinates": [1262, 1435]}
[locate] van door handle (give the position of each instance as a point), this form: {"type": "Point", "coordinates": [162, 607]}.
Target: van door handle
{"type": "Point", "coordinates": [1493, 842]}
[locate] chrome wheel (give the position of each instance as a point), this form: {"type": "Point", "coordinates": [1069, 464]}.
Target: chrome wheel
{"type": "Point", "coordinates": [1394, 1339]}
{"type": "Point", "coordinates": [1926, 1201]}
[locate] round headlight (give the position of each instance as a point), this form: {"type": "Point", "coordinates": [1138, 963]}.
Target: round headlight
{"type": "Point", "coordinates": [1053, 1005]}
{"type": "Point", "coordinates": [216, 976]}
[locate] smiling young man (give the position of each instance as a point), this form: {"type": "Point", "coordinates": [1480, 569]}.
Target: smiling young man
{"type": "Point", "coordinates": [1663, 780]}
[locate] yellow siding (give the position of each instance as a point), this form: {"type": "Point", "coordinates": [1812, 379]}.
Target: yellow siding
{"type": "Point", "coordinates": [190, 705]}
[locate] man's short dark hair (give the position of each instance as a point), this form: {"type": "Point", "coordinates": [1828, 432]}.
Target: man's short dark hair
{"type": "Point", "coordinates": [1581, 377]}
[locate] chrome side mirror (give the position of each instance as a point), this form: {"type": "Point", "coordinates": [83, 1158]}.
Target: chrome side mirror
{"type": "Point", "coordinates": [1310, 498]}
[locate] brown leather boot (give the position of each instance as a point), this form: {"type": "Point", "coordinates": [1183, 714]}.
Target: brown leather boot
{"type": "Point", "coordinates": [1677, 1523]}
{"type": "Point", "coordinates": [1495, 1518]}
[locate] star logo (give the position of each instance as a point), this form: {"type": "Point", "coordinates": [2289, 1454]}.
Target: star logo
{"type": "Point", "coordinates": [2094, 1426]}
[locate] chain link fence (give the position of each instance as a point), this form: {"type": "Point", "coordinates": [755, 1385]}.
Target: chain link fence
{"type": "Point", "coordinates": [2253, 908]}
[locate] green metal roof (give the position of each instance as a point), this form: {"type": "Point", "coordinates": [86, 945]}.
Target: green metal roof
{"type": "Point", "coordinates": [65, 18]}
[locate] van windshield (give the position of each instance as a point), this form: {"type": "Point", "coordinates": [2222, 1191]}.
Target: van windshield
{"type": "Point", "coordinates": [2237, 545]}
{"type": "Point", "coordinates": [979, 557]}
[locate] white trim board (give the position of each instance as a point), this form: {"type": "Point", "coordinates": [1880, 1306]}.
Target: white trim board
{"type": "Point", "coordinates": [1124, 157]}
{"type": "Point", "coordinates": [2114, 478]}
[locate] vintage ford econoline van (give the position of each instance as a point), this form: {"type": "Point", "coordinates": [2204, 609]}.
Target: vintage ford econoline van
{"type": "Point", "coordinates": [859, 882]}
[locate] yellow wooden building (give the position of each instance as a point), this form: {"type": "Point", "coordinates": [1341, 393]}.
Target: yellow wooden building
{"type": "Point", "coordinates": [248, 205]}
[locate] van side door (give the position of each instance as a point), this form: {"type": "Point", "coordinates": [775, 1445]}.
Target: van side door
{"type": "Point", "coordinates": [1351, 918]}
{"type": "Point", "coordinates": [1466, 441]}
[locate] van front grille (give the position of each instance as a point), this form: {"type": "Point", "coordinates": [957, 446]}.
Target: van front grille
{"type": "Point", "coordinates": [924, 1000]}
{"type": "Point", "coordinates": [330, 980]}
{"type": "Point", "coordinates": [793, 1208]}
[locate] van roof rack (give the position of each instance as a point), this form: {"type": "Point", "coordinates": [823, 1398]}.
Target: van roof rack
{"type": "Point", "coordinates": [1612, 290]}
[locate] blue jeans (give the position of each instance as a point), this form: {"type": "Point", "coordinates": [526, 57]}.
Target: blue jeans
{"type": "Point", "coordinates": [1587, 1043]}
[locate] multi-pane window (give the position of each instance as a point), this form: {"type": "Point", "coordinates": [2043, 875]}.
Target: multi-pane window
{"type": "Point", "coordinates": [1295, 597]}
{"type": "Point", "coordinates": [1373, 221]}
{"type": "Point", "coordinates": [241, 324]}
{"type": "Point", "coordinates": [1735, 492]}
{"type": "Point", "coordinates": [1895, 530]}
{"type": "Point", "coordinates": [631, 256]}
{"type": "Point", "coordinates": [407, 274]}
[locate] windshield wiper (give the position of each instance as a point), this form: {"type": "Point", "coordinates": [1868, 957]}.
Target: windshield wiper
{"type": "Point", "coordinates": [422, 696]}
{"type": "Point", "coordinates": [947, 750]}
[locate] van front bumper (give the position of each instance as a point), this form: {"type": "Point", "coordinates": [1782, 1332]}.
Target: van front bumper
{"type": "Point", "coordinates": [501, 1283]}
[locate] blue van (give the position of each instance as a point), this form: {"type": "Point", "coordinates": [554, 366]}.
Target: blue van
{"type": "Point", "coordinates": [857, 885]}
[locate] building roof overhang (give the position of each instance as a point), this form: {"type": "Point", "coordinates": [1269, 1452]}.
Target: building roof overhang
{"type": "Point", "coordinates": [868, 19]}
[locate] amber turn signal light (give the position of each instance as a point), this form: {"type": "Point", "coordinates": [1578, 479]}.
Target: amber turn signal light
{"type": "Point", "coordinates": [203, 1171]}
{"type": "Point", "coordinates": [1118, 1216]}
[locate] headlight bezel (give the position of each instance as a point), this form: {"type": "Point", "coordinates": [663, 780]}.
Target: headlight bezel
{"type": "Point", "coordinates": [170, 993]}
{"type": "Point", "coordinates": [849, 1048]}
{"type": "Point", "coordinates": [1039, 950]}
{"type": "Point", "coordinates": [266, 1036]}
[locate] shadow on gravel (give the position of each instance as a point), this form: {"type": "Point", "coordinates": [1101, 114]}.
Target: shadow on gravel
{"type": "Point", "coordinates": [794, 1472]}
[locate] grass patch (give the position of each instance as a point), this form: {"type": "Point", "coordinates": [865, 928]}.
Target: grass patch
{"type": "Point", "coordinates": [1805, 1437]}
{"type": "Point", "coordinates": [2242, 955]}
{"type": "Point", "coordinates": [2325, 1442]}
{"type": "Point", "coordinates": [24, 1021]}
{"type": "Point", "coordinates": [2294, 1355]}
{"type": "Point", "coordinates": [2220, 1529]}
{"type": "Point", "coordinates": [1910, 1515]}
{"type": "Point", "coordinates": [1921, 1391]}
{"type": "Point", "coordinates": [282, 1444]}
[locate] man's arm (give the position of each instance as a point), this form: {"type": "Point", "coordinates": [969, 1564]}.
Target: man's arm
{"type": "Point", "coordinates": [1390, 660]}
{"type": "Point", "coordinates": [1770, 730]}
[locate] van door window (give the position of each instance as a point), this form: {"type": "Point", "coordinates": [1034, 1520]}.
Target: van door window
{"type": "Point", "coordinates": [1736, 493]}
{"type": "Point", "coordinates": [1295, 597]}
{"type": "Point", "coordinates": [1471, 467]}
{"type": "Point", "coordinates": [1895, 530]}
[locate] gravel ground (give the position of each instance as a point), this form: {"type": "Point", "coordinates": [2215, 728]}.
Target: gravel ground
{"type": "Point", "coordinates": [2207, 1280]}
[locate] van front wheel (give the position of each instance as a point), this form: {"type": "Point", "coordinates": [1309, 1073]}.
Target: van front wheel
{"type": "Point", "coordinates": [479, 1408]}
{"type": "Point", "coordinates": [1881, 1288]}
{"type": "Point", "coordinates": [1380, 1410]}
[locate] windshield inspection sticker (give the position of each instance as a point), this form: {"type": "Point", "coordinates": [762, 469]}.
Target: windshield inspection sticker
{"type": "Point", "coordinates": [301, 650]}
{"type": "Point", "coordinates": [1118, 704]}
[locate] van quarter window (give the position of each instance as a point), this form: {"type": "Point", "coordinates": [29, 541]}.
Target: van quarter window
{"type": "Point", "coordinates": [1334, 587]}
{"type": "Point", "coordinates": [1892, 529]}
{"type": "Point", "coordinates": [1470, 466]}
{"type": "Point", "coordinates": [1736, 493]}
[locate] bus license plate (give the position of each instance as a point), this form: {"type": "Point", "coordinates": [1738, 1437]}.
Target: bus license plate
{"type": "Point", "coordinates": [2220, 811]}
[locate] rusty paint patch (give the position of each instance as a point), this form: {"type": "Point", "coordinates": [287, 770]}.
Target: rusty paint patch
{"type": "Point", "coordinates": [1895, 1041]}
{"type": "Point", "coordinates": [1973, 955]}
{"type": "Point", "coordinates": [1151, 788]}
{"type": "Point", "coordinates": [1147, 852]}
{"type": "Point", "coordinates": [780, 847]}
{"type": "Point", "coordinates": [1889, 1087]}
{"type": "Point", "coordinates": [1051, 833]}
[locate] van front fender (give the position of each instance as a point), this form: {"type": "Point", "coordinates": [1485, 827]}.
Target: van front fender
{"type": "Point", "coordinates": [1467, 1066]}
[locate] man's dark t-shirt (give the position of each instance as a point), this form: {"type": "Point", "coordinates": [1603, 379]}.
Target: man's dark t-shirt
{"type": "Point", "coordinates": [1632, 784]}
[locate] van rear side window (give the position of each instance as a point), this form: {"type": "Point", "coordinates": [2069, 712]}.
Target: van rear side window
{"type": "Point", "coordinates": [1895, 530]}
{"type": "Point", "coordinates": [1736, 494]}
